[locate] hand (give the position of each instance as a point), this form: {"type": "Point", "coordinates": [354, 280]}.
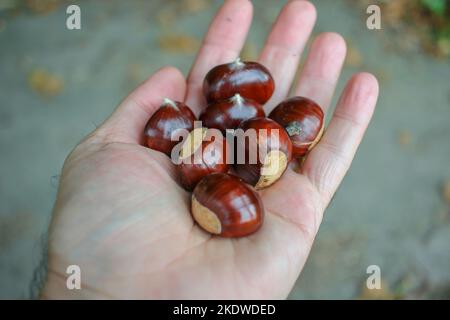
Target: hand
{"type": "Point", "coordinates": [121, 216]}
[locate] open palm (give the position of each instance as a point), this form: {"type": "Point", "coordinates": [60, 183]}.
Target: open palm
{"type": "Point", "coordinates": [121, 216]}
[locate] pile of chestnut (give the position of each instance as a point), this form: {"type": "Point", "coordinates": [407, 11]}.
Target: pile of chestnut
{"type": "Point", "coordinates": [251, 151]}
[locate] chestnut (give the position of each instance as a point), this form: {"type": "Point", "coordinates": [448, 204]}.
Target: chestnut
{"type": "Point", "coordinates": [262, 151]}
{"type": "Point", "coordinates": [303, 120]}
{"type": "Point", "coordinates": [170, 116]}
{"type": "Point", "coordinates": [224, 205]}
{"type": "Point", "coordinates": [201, 154]}
{"type": "Point", "coordinates": [229, 113]}
{"type": "Point", "coordinates": [250, 79]}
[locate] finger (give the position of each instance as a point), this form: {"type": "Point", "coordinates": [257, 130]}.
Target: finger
{"type": "Point", "coordinates": [128, 121]}
{"type": "Point", "coordinates": [222, 44]}
{"type": "Point", "coordinates": [290, 224]}
{"type": "Point", "coordinates": [285, 44]}
{"type": "Point", "coordinates": [328, 162]}
{"type": "Point", "coordinates": [274, 255]}
{"type": "Point", "coordinates": [322, 68]}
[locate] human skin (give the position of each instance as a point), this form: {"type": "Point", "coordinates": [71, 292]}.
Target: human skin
{"type": "Point", "coordinates": [121, 216]}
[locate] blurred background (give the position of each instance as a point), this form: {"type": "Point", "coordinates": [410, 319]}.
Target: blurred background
{"type": "Point", "coordinates": [393, 208]}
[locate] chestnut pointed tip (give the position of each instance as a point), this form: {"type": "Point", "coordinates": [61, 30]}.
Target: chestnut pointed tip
{"type": "Point", "coordinates": [251, 79]}
{"type": "Point", "coordinates": [238, 99]}
{"type": "Point", "coordinates": [170, 116]}
{"type": "Point", "coordinates": [169, 102]}
{"type": "Point", "coordinates": [238, 62]}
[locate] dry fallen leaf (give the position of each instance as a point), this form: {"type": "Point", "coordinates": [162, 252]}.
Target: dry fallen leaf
{"type": "Point", "coordinates": [394, 11]}
{"type": "Point", "coordinates": [443, 48]}
{"type": "Point", "coordinates": [384, 293]}
{"type": "Point", "coordinates": [382, 75]}
{"type": "Point", "coordinates": [446, 191]}
{"type": "Point", "coordinates": [404, 138]}
{"type": "Point", "coordinates": [194, 6]}
{"type": "Point", "coordinates": [414, 25]}
{"type": "Point", "coordinates": [42, 6]}
{"type": "Point", "coordinates": [166, 17]}
{"type": "Point", "coordinates": [2, 24]}
{"type": "Point", "coordinates": [354, 56]}
{"type": "Point", "coordinates": [179, 43]}
{"type": "Point", "coordinates": [9, 4]}
{"type": "Point", "coordinates": [44, 83]}
{"type": "Point", "coordinates": [135, 73]}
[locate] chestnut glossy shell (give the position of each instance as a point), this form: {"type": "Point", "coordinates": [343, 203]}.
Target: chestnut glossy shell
{"type": "Point", "coordinates": [303, 120]}
{"type": "Point", "coordinates": [209, 158]}
{"type": "Point", "coordinates": [229, 113]}
{"type": "Point", "coordinates": [168, 118]}
{"type": "Point", "coordinates": [235, 209]}
{"type": "Point", "coordinates": [251, 172]}
{"type": "Point", "coordinates": [250, 79]}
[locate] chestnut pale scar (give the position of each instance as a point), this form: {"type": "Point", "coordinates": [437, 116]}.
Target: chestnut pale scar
{"type": "Point", "coordinates": [317, 139]}
{"type": "Point", "coordinates": [205, 217]}
{"type": "Point", "coordinates": [274, 165]}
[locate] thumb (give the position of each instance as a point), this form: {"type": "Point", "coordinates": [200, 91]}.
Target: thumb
{"type": "Point", "coordinates": [127, 122]}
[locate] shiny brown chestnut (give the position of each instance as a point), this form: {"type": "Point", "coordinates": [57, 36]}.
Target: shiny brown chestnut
{"type": "Point", "coordinates": [224, 205]}
{"type": "Point", "coordinates": [201, 154]}
{"type": "Point", "coordinates": [303, 120]}
{"type": "Point", "coordinates": [229, 113]}
{"type": "Point", "coordinates": [250, 79]}
{"type": "Point", "coordinates": [170, 116]}
{"type": "Point", "coordinates": [263, 151]}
